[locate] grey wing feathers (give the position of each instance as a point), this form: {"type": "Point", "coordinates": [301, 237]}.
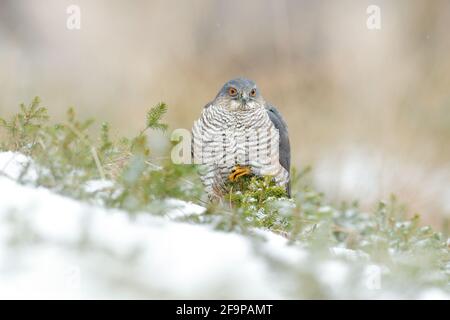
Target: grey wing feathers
{"type": "Point", "coordinates": [284, 147]}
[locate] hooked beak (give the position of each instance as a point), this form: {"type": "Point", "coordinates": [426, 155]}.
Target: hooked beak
{"type": "Point", "coordinates": [244, 98]}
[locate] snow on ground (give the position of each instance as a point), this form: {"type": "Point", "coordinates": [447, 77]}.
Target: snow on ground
{"type": "Point", "coordinates": [56, 247]}
{"type": "Point", "coordinates": [170, 257]}
{"type": "Point", "coordinates": [12, 165]}
{"type": "Point", "coordinates": [179, 208]}
{"type": "Point", "coordinates": [369, 175]}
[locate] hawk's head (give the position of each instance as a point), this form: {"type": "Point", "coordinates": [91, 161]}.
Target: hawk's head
{"type": "Point", "coordinates": [240, 95]}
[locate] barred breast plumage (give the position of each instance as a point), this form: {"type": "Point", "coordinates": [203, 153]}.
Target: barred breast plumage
{"type": "Point", "coordinates": [230, 133]}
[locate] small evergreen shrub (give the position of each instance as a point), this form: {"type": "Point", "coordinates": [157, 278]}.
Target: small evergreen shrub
{"type": "Point", "coordinates": [68, 157]}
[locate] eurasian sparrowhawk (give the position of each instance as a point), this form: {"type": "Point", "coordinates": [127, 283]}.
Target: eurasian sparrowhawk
{"type": "Point", "coordinates": [239, 133]}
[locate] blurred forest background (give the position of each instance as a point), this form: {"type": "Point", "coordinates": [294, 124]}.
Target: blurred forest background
{"type": "Point", "coordinates": [369, 110]}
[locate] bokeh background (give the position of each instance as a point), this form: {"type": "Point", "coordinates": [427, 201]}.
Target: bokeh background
{"type": "Point", "coordinates": [369, 110]}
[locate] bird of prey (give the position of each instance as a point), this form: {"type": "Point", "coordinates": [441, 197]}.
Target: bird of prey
{"type": "Point", "coordinates": [238, 134]}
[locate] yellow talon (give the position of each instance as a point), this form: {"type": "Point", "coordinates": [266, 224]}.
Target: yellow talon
{"type": "Point", "coordinates": [239, 171]}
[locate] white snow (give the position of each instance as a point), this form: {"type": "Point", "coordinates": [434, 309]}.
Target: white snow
{"type": "Point", "coordinates": [98, 185]}
{"type": "Point", "coordinates": [13, 165]}
{"type": "Point", "coordinates": [369, 175]}
{"type": "Point", "coordinates": [433, 294]}
{"type": "Point", "coordinates": [159, 257]}
{"type": "Point", "coordinates": [179, 208]}
{"type": "Point", "coordinates": [334, 274]}
{"type": "Point", "coordinates": [349, 254]}
{"type": "Point", "coordinates": [52, 246]}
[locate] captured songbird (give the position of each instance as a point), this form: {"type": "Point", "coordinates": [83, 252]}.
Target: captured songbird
{"type": "Point", "coordinates": [238, 134]}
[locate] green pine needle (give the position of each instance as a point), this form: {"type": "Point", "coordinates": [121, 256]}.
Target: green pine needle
{"type": "Point", "coordinates": [154, 116]}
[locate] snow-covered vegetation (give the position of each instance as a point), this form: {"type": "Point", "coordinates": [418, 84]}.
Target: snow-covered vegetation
{"type": "Point", "coordinates": [96, 217]}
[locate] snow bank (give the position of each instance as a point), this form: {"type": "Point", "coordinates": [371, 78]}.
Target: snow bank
{"type": "Point", "coordinates": [56, 247]}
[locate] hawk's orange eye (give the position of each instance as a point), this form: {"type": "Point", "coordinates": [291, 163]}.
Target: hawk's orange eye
{"type": "Point", "coordinates": [253, 93]}
{"type": "Point", "coordinates": [232, 91]}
